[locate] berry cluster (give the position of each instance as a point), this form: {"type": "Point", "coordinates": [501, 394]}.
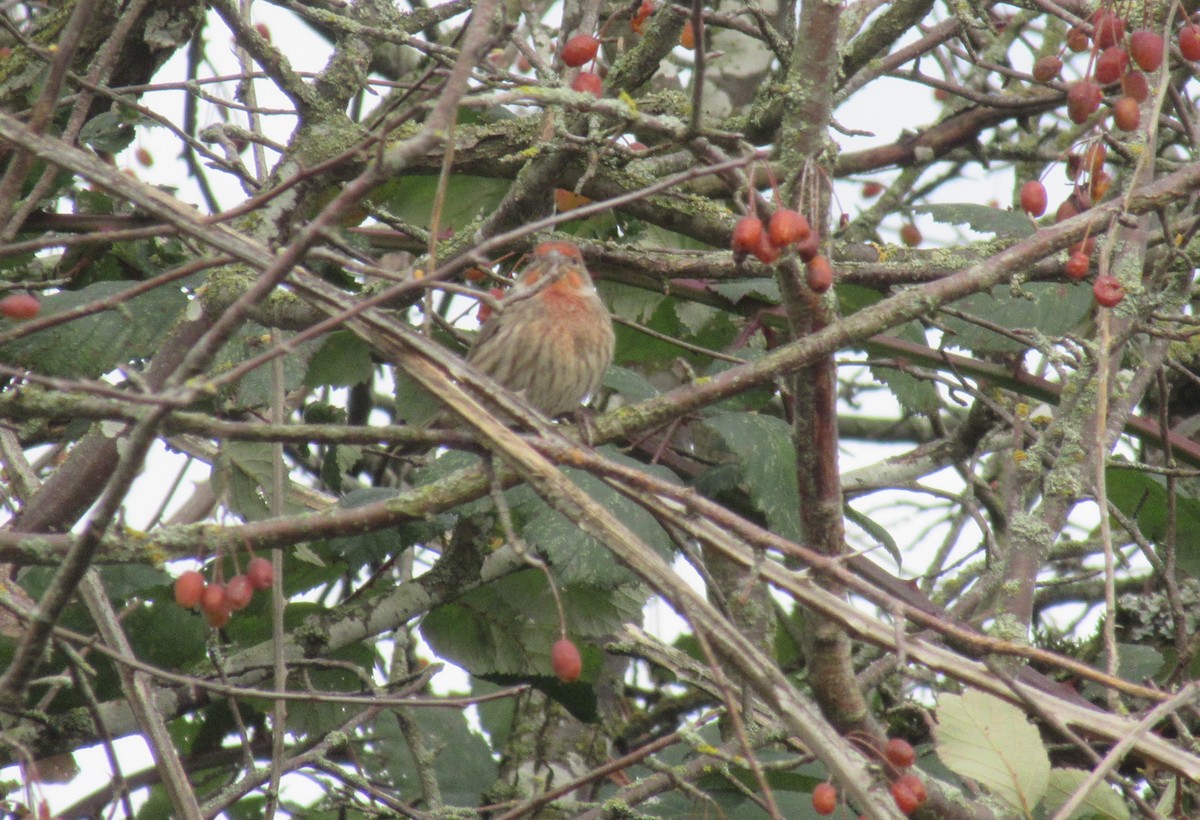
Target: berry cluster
{"type": "Point", "coordinates": [583, 48]}
{"type": "Point", "coordinates": [1122, 61]}
{"type": "Point", "coordinates": [785, 227]}
{"type": "Point", "coordinates": [908, 791]}
{"type": "Point", "coordinates": [219, 601]}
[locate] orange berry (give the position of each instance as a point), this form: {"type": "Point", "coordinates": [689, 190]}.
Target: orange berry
{"type": "Point", "coordinates": [1126, 114]}
{"type": "Point", "coordinates": [580, 49]}
{"type": "Point", "coordinates": [1147, 49]}
{"type": "Point", "coordinates": [786, 226]}
{"type": "Point", "coordinates": [818, 274]}
{"type": "Point", "coordinates": [766, 251]}
{"type": "Point", "coordinates": [1047, 68]}
{"type": "Point", "coordinates": [260, 572]}
{"type": "Point", "coordinates": [1108, 290]}
{"type": "Point", "coordinates": [1033, 198]}
{"type": "Point", "coordinates": [1134, 84]}
{"type": "Point", "coordinates": [746, 234]}
{"type": "Point", "coordinates": [899, 752]}
{"type": "Point", "coordinates": [188, 588]}
{"type": "Point", "coordinates": [565, 660]}
{"type": "Point", "coordinates": [1077, 266]}
{"type": "Point", "coordinates": [1083, 100]}
{"type": "Point", "coordinates": [565, 200]}
{"type": "Point", "coordinates": [19, 306]}
{"type": "Point", "coordinates": [824, 798]}
{"type": "Point", "coordinates": [1108, 28]}
{"type": "Point", "coordinates": [1189, 41]}
{"type": "Point", "coordinates": [588, 83]}
{"type": "Point", "coordinates": [238, 593]}
{"type": "Point", "coordinates": [687, 37]}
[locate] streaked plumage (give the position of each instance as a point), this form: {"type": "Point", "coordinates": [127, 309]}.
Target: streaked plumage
{"type": "Point", "coordinates": [552, 343]}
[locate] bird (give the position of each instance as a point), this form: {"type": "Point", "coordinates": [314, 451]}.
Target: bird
{"type": "Point", "coordinates": [551, 338]}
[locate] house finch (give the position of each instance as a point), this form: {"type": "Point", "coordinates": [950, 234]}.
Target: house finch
{"type": "Point", "coordinates": [551, 338]}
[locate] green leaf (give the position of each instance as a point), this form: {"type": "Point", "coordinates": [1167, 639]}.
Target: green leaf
{"type": "Point", "coordinates": [981, 218]}
{"type": "Point", "coordinates": [1054, 309]}
{"type": "Point", "coordinates": [414, 404]}
{"type": "Point", "coordinates": [508, 626]}
{"type": "Point", "coordinates": [877, 531]}
{"type": "Point", "coordinates": [93, 345]}
{"type": "Point", "coordinates": [343, 360]}
{"type": "Point", "coordinates": [987, 740]}
{"type": "Point", "coordinates": [410, 198]}
{"type": "Point", "coordinates": [462, 761]}
{"type": "Point", "coordinates": [735, 291]}
{"type": "Point", "coordinates": [244, 476]}
{"type": "Point", "coordinates": [766, 459]}
{"type": "Point", "coordinates": [166, 635]}
{"type": "Point", "coordinates": [109, 132]}
{"type": "Point", "coordinates": [630, 384]}
{"type": "Point", "coordinates": [575, 556]}
{"type": "Point", "coordinates": [1101, 802]}
{"type": "Point", "coordinates": [1144, 496]}
{"type": "Point", "coordinates": [255, 388]}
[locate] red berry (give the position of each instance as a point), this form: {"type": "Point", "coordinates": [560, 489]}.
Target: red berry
{"type": "Point", "coordinates": [899, 752]}
{"type": "Point", "coordinates": [1108, 28]}
{"type": "Point", "coordinates": [580, 49]}
{"type": "Point", "coordinates": [565, 660]}
{"type": "Point", "coordinates": [19, 306]}
{"type": "Point", "coordinates": [808, 248]}
{"type": "Point", "coordinates": [263, 31]}
{"type": "Point", "coordinates": [1108, 290]}
{"type": "Point", "coordinates": [1146, 48]}
{"type": "Point", "coordinates": [765, 250]}
{"type": "Point", "coordinates": [188, 588]}
{"type": "Point", "coordinates": [1111, 64]}
{"type": "Point", "coordinates": [872, 189]}
{"type": "Point", "coordinates": [1077, 266]}
{"type": "Point", "coordinates": [818, 274]}
{"type": "Point", "coordinates": [1099, 185]}
{"type": "Point", "coordinates": [787, 226]}
{"type": "Point", "coordinates": [638, 24]}
{"type": "Point", "coordinates": [260, 572]}
{"type": "Point", "coordinates": [906, 801]}
{"type": "Point", "coordinates": [217, 618]}
{"type": "Point", "coordinates": [916, 786]}
{"type": "Point", "coordinates": [1126, 114]}
{"type": "Point", "coordinates": [1087, 247]}
{"type": "Point", "coordinates": [144, 157]}
{"type": "Point", "coordinates": [212, 599]}
{"type": "Point", "coordinates": [1065, 211]}
{"type": "Point", "coordinates": [1033, 198]}
{"type": "Point", "coordinates": [746, 234]}
{"type": "Point", "coordinates": [1083, 100]}
{"type": "Point", "coordinates": [1074, 163]}
{"type": "Point", "coordinates": [1077, 39]}
{"type": "Point", "coordinates": [910, 235]}
{"type": "Point", "coordinates": [1189, 41]}
{"type": "Point", "coordinates": [824, 798]}
{"type": "Point", "coordinates": [1047, 68]}
{"type": "Point", "coordinates": [485, 310]}
{"type": "Point", "coordinates": [1094, 156]}
{"type": "Point", "coordinates": [687, 37]}
{"type": "Point", "coordinates": [588, 83]}
{"type": "Point", "coordinates": [1134, 84]}
{"type": "Point", "coordinates": [238, 592]}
